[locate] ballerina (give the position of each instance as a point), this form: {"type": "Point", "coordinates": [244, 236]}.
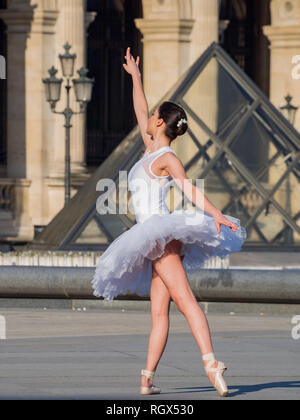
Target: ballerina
{"type": "Point", "coordinates": [154, 256]}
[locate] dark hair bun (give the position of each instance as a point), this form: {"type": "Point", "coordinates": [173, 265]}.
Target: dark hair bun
{"type": "Point", "coordinates": [175, 119]}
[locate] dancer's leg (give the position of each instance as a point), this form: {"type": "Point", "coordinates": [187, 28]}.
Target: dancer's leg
{"type": "Point", "coordinates": [160, 306]}
{"type": "Point", "coordinates": [171, 271]}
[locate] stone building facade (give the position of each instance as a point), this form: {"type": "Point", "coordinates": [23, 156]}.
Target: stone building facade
{"type": "Point", "coordinates": [262, 36]}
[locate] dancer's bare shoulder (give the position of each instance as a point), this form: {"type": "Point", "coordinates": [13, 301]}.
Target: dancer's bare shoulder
{"type": "Point", "coordinates": [172, 165]}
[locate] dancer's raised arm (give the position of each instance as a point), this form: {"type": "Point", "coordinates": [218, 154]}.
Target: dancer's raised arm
{"type": "Point", "coordinates": [139, 99]}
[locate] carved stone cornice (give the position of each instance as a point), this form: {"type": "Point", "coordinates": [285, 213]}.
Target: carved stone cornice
{"type": "Point", "coordinates": [283, 36]}
{"type": "Point", "coordinates": [165, 30]}
{"type": "Point", "coordinates": [29, 19]}
{"type": "Point", "coordinates": [44, 21]}
{"type": "Point", "coordinates": [17, 20]}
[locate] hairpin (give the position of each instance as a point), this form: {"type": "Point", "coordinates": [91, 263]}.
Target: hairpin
{"type": "Point", "coordinates": [181, 122]}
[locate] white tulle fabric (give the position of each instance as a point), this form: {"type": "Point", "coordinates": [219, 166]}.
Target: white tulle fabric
{"type": "Point", "coordinates": [126, 265]}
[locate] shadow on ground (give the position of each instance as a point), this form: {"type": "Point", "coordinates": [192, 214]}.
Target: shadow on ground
{"type": "Point", "coordinates": [241, 389]}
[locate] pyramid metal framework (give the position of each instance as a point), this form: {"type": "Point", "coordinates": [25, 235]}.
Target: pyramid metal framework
{"type": "Point", "coordinates": [241, 145]}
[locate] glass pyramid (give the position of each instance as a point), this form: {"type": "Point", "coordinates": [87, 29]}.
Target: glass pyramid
{"type": "Point", "coordinates": [241, 145]}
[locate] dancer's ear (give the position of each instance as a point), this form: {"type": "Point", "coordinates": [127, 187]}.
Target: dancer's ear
{"type": "Point", "coordinates": [160, 122]}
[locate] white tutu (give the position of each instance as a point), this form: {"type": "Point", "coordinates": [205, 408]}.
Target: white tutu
{"type": "Point", "coordinates": [126, 265]}
{"type": "Point", "coordinates": [126, 268]}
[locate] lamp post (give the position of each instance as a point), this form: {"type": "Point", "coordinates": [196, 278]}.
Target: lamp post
{"type": "Point", "coordinates": [83, 87]}
{"type": "Point", "coordinates": [289, 111]}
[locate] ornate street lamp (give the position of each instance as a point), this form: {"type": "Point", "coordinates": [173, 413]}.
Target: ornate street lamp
{"type": "Point", "coordinates": [67, 61]}
{"type": "Point", "coordinates": [83, 87]}
{"type": "Point", "coordinates": [52, 87]}
{"type": "Point", "coordinates": [289, 111]}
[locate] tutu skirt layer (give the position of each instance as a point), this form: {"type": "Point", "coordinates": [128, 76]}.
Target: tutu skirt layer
{"type": "Point", "coordinates": [126, 265]}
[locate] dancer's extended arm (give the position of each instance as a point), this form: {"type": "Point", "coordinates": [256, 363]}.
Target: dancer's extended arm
{"type": "Point", "coordinates": [139, 100]}
{"type": "Point", "coordinates": [175, 168]}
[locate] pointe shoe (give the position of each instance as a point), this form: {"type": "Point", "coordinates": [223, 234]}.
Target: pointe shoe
{"type": "Point", "coordinates": [219, 382]}
{"type": "Point", "coordinates": [152, 389]}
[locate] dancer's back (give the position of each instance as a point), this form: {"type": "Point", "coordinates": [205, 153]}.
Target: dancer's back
{"type": "Point", "coordinates": [148, 190]}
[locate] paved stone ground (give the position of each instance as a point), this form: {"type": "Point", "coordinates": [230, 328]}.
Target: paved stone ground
{"type": "Point", "coordinates": [65, 354]}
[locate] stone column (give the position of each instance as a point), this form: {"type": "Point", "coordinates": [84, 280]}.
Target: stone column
{"type": "Point", "coordinates": [166, 38]}
{"type": "Point", "coordinates": [30, 31]}
{"type": "Point", "coordinates": [284, 37]}
{"type": "Point", "coordinates": [71, 27]}
{"type": "Point", "coordinates": [18, 20]}
{"type": "Point", "coordinates": [206, 27]}
{"type": "Point", "coordinates": [202, 97]}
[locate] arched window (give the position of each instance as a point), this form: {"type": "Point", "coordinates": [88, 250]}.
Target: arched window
{"type": "Point", "coordinates": [3, 46]}
{"type": "Point", "coordinates": [110, 114]}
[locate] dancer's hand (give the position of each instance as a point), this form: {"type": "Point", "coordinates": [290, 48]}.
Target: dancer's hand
{"type": "Point", "coordinates": [220, 219]}
{"type": "Point", "coordinates": [132, 66]}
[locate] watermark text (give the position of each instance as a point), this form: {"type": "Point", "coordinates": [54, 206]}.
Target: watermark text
{"type": "Point", "coordinates": [296, 328]}
{"type": "Point", "coordinates": [146, 197]}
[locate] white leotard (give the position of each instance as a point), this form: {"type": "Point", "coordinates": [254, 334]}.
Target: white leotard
{"type": "Point", "coordinates": [148, 191]}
